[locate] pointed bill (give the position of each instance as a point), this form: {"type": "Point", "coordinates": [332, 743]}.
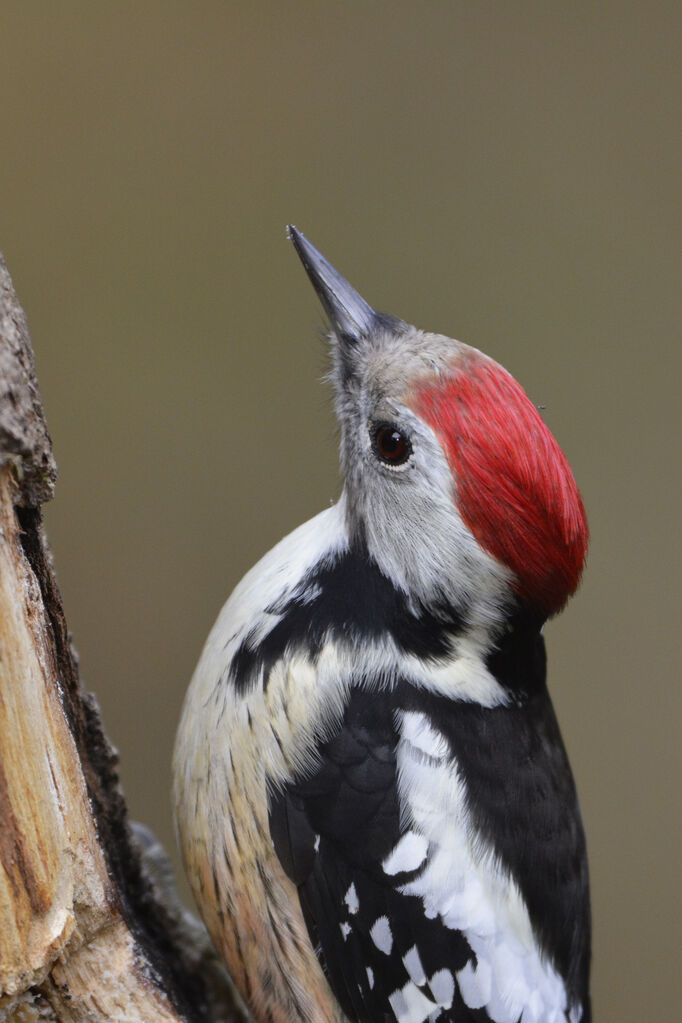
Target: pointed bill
{"type": "Point", "coordinates": [350, 316]}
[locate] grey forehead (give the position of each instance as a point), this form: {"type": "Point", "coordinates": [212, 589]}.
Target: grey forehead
{"type": "Point", "coordinates": [392, 359]}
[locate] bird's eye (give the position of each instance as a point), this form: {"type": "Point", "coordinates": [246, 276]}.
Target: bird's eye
{"type": "Point", "coordinates": [391, 445]}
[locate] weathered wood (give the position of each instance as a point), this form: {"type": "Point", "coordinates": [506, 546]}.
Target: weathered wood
{"type": "Point", "coordinates": [85, 933]}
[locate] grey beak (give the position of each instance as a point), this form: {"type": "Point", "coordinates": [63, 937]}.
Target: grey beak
{"type": "Point", "coordinates": [350, 316]}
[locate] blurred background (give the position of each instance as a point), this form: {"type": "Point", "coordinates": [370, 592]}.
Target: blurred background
{"type": "Point", "coordinates": [504, 173]}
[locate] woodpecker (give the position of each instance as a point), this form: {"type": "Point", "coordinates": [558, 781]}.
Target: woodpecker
{"type": "Point", "coordinates": [374, 804]}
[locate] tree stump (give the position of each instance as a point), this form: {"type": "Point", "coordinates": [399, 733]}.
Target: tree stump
{"type": "Point", "coordinates": [87, 933]}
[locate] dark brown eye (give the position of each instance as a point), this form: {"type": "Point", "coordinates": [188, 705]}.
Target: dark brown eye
{"type": "Point", "coordinates": [392, 446]}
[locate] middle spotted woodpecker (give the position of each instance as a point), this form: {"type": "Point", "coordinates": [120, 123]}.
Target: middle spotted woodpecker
{"type": "Point", "coordinates": [375, 808]}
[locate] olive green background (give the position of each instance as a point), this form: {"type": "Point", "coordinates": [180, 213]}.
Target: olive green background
{"type": "Point", "coordinates": [503, 172]}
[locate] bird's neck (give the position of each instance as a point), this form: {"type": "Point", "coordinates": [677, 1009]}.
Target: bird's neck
{"type": "Point", "coordinates": [347, 604]}
{"type": "Point", "coordinates": [517, 658]}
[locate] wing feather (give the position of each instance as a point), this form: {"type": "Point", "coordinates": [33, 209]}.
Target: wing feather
{"type": "Point", "coordinates": [333, 831]}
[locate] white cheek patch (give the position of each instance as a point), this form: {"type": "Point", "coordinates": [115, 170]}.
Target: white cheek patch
{"type": "Point", "coordinates": [417, 536]}
{"type": "Point", "coordinates": [463, 884]}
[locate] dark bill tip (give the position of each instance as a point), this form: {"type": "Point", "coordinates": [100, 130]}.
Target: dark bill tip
{"type": "Point", "coordinates": [350, 316]}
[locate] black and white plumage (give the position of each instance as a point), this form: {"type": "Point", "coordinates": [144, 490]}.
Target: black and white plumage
{"type": "Point", "coordinates": [375, 807]}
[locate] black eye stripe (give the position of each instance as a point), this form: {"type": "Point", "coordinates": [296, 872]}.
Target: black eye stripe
{"type": "Point", "coordinates": [391, 445]}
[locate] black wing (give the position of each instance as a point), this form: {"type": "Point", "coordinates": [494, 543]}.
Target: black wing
{"type": "Point", "coordinates": [332, 833]}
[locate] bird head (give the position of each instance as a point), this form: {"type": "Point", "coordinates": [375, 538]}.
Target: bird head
{"type": "Point", "coordinates": [453, 482]}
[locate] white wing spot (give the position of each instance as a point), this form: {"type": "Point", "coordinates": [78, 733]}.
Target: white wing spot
{"type": "Point", "coordinates": [409, 854]}
{"type": "Point", "coordinates": [398, 1004]}
{"type": "Point", "coordinates": [475, 983]}
{"type": "Point", "coordinates": [442, 986]}
{"type": "Point", "coordinates": [413, 965]}
{"type": "Point", "coordinates": [351, 899]}
{"type": "Point", "coordinates": [345, 929]}
{"type": "Point", "coordinates": [316, 843]}
{"type": "Point", "coordinates": [370, 977]}
{"type": "Point", "coordinates": [381, 935]}
{"type": "Point", "coordinates": [411, 1005]}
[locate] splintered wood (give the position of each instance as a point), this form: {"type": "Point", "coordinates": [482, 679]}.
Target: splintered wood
{"type": "Point", "coordinates": [85, 934]}
{"type": "Point", "coordinates": [53, 885]}
{"type": "Point", "coordinates": [61, 934]}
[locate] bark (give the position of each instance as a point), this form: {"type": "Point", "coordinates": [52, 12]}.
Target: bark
{"type": "Point", "coordinates": [87, 930]}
